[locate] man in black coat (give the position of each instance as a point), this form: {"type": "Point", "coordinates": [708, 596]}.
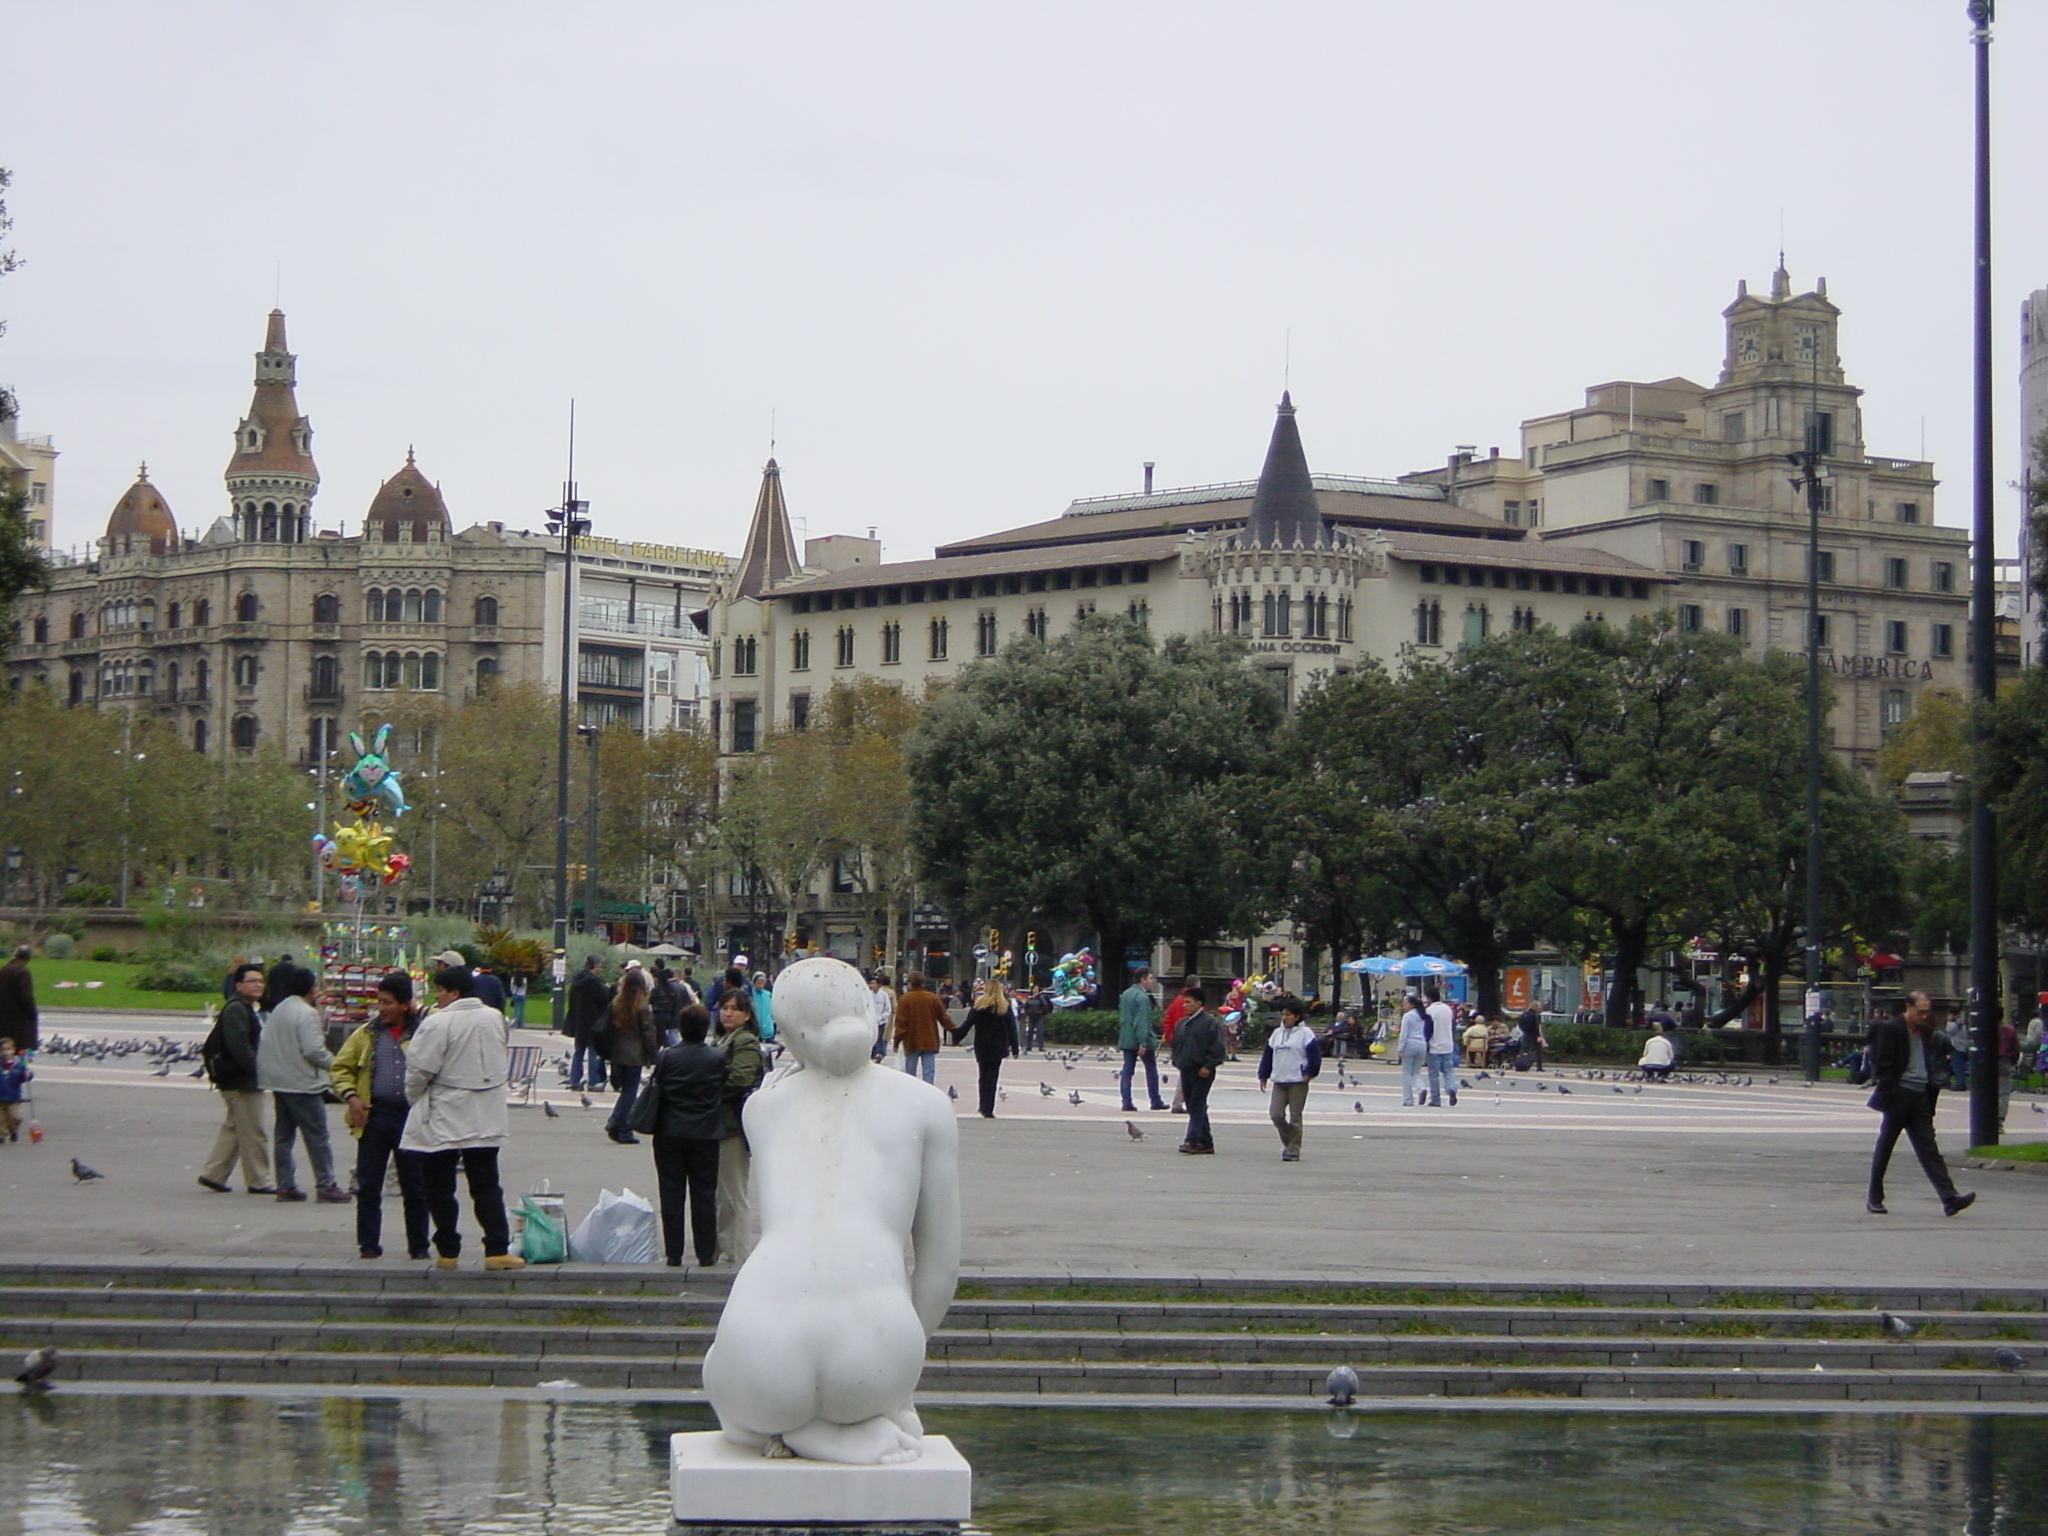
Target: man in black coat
{"type": "Point", "coordinates": [688, 1089]}
{"type": "Point", "coordinates": [589, 1001]}
{"type": "Point", "coordinates": [1908, 1068]}
{"type": "Point", "coordinates": [1198, 1050]}
{"type": "Point", "coordinates": [18, 1020]}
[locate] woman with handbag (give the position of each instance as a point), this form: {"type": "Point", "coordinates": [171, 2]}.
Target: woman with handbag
{"type": "Point", "coordinates": [1910, 1067]}
{"type": "Point", "coordinates": [634, 1044]}
{"type": "Point", "coordinates": [742, 1050]}
{"type": "Point", "coordinates": [994, 1028]}
{"type": "Point", "coordinates": [682, 1110]}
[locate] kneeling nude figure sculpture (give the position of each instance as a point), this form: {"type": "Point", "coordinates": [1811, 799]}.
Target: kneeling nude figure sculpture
{"type": "Point", "coordinates": [822, 1339]}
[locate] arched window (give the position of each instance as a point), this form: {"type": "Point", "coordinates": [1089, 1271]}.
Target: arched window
{"type": "Point", "coordinates": [245, 733]}
{"type": "Point", "coordinates": [171, 683]}
{"type": "Point", "coordinates": [412, 669]}
{"type": "Point", "coordinates": [198, 735]}
{"type": "Point", "coordinates": [202, 674]}
{"type": "Point", "coordinates": [430, 672]}
{"type": "Point", "coordinates": [202, 613]}
{"type": "Point", "coordinates": [245, 671]}
{"type": "Point", "coordinates": [246, 608]}
{"type": "Point", "coordinates": [486, 675]}
{"type": "Point", "coordinates": [412, 605]}
{"type": "Point", "coordinates": [42, 629]}
{"type": "Point", "coordinates": [78, 622]}
{"type": "Point", "coordinates": [77, 695]}
{"type": "Point", "coordinates": [487, 614]}
{"type": "Point", "coordinates": [373, 605]}
{"type": "Point", "coordinates": [326, 677]}
{"type": "Point", "coordinates": [430, 607]}
{"type": "Point", "coordinates": [172, 615]}
{"type": "Point", "coordinates": [326, 609]}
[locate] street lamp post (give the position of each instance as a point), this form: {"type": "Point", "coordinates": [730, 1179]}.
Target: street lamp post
{"type": "Point", "coordinates": [590, 734]}
{"type": "Point", "coordinates": [1984, 946]}
{"type": "Point", "coordinates": [570, 520]}
{"type": "Point", "coordinates": [1812, 479]}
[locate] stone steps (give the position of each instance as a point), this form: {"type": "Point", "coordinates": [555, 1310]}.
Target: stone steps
{"type": "Point", "coordinates": [622, 1328]}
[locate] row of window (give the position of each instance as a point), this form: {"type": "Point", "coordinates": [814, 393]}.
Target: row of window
{"type": "Point", "coordinates": [974, 587]}
{"type": "Point", "coordinates": [1898, 575]}
{"type": "Point", "coordinates": [1234, 613]}
{"type": "Point", "coordinates": [413, 605]}
{"type": "Point", "coordinates": [746, 649]}
{"type": "Point", "coordinates": [1897, 633]}
{"type": "Point", "coordinates": [1534, 581]}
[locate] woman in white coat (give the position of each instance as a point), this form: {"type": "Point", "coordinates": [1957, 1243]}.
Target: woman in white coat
{"type": "Point", "coordinates": [455, 1083]}
{"type": "Point", "coordinates": [1413, 1050]}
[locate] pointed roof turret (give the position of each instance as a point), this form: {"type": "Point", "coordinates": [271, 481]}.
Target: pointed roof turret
{"type": "Point", "coordinates": [274, 439]}
{"type": "Point", "coordinates": [1284, 508]}
{"type": "Point", "coordinates": [770, 555]}
{"type": "Point", "coordinates": [141, 520]}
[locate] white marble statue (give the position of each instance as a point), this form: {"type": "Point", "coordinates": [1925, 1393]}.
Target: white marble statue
{"type": "Point", "coordinates": [822, 1340]}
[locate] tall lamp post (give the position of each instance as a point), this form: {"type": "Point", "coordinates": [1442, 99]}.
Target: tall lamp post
{"type": "Point", "coordinates": [569, 521]}
{"type": "Point", "coordinates": [590, 734]}
{"type": "Point", "coordinates": [1812, 479]}
{"type": "Point", "coordinates": [1984, 944]}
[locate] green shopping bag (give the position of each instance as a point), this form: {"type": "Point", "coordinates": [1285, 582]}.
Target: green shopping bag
{"type": "Point", "coordinates": [541, 1239]}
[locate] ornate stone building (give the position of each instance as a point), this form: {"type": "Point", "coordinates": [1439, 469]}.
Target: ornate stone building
{"type": "Point", "coordinates": [267, 630]}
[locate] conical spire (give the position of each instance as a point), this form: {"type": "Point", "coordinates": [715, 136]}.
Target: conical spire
{"type": "Point", "coordinates": [1284, 508]}
{"type": "Point", "coordinates": [274, 439]}
{"type": "Point", "coordinates": [770, 555]}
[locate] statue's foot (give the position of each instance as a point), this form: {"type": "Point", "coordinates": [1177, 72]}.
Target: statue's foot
{"type": "Point", "coordinates": [774, 1448]}
{"type": "Point", "coordinates": [906, 1419]}
{"type": "Point", "coordinates": [753, 1440]}
{"type": "Point", "coordinates": [875, 1442]}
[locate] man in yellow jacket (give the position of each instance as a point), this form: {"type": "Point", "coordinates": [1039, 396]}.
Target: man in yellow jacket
{"type": "Point", "coordinates": [369, 1078]}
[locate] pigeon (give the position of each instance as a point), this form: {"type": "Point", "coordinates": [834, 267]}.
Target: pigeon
{"type": "Point", "coordinates": [83, 1174]}
{"type": "Point", "coordinates": [585, 1098]}
{"type": "Point", "coordinates": [952, 1092]}
{"type": "Point", "coordinates": [1342, 1386]}
{"type": "Point", "coordinates": [1464, 1083]}
{"type": "Point", "coordinates": [1482, 1076]}
{"type": "Point", "coordinates": [1562, 1089]}
{"type": "Point", "coordinates": [1897, 1326]}
{"type": "Point", "coordinates": [1068, 1065]}
{"type": "Point", "coordinates": [201, 1072]}
{"type": "Point", "coordinates": [1132, 1127]}
{"type": "Point", "coordinates": [1617, 1089]}
{"type": "Point", "coordinates": [549, 1110]}
{"type": "Point", "coordinates": [1358, 1106]}
{"type": "Point", "coordinates": [1045, 1090]}
{"type": "Point", "coordinates": [1003, 1094]}
{"type": "Point", "coordinates": [2037, 1109]}
{"type": "Point", "coordinates": [39, 1365]}
{"type": "Point", "coordinates": [1074, 1097]}
{"type": "Point", "coordinates": [2008, 1359]}
{"type": "Point", "coordinates": [162, 1071]}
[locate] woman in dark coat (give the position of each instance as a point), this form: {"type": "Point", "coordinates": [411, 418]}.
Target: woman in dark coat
{"type": "Point", "coordinates": [994, 1027]}
{"type": "Point", "coordinates": [634, 1044]}
{"type": "Point", "coordinates": [689, 1084]}
{"type": "Point", "coordinates": [1907, 1067]}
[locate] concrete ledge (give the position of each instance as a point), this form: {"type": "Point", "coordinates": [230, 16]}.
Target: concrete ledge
{"type": "Point", "coordinates": [714, 1483]}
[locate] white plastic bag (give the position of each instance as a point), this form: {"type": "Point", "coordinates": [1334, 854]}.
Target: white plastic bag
{"type": "Point", "coordinates": [618, 1230]}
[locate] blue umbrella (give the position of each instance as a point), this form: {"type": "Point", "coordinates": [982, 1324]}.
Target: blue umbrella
{"type": "Point", "coordinates": [1406, 965]}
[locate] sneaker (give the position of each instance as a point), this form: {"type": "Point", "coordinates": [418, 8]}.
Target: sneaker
{"type": "Point", "coordinates": [290, 1194]}
{"type": "Point", "coordinates": [213, 1184]}
{"type": "Point", "coordinates": [1290, 1156]}
{"type": "Point", "coordinates": [447, 1263]}
{"type": "Point", "coordinates": [503, 1261]}
{"type": "Point", "coordinates": [1959, 1204]}
{"type": "Point", "coordinates": [334, 1194]}
{"type": "Point", "coordinates": [1454, 1098]}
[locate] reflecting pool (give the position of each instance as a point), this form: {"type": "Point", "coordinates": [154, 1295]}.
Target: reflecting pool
{"type": "Point", "coordinates": [109, 1465]}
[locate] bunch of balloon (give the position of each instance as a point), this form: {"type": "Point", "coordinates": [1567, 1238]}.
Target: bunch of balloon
{"type": "Point", "coordinates": [1073, 979]}
{"type": "Point", "coordinates": [361, 852]}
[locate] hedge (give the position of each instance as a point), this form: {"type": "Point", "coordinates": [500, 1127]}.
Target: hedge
{"type": "Point", "coordinates": [1098, 1027]}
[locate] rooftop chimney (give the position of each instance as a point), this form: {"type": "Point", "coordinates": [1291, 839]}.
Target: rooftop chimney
{"type": "Point", "coordinates": [1148, 477]}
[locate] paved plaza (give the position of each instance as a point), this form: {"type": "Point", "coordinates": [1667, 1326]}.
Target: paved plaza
{"type": "Point", "coordinates": [1758, 1185]}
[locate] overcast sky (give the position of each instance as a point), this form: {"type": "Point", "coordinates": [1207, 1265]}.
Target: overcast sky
{"type": "Point", "coordinates": [973, 260]}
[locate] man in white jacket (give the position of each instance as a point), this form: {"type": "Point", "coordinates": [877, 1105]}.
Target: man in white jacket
{"type": "Point", "coordinates": [455, 1082]}
{"type": "Point", "coordinates": [291, 1065]}
{"type": "Point", "coordinates": [1442, 1030]}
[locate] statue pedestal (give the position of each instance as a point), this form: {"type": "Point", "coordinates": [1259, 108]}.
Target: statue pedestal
{"type": "Point", "coordinates": [716, 1486]}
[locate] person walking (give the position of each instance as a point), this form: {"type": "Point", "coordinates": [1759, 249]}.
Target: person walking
{"type": "Point", "coordinates": [1906, 1070]}
{"type": "Point", "coordinates": [665, 997]}
{"type": "Point", "coordinates": [1137, 1036]}
{"type": "Point", "coordinates": [369, 1078]}
{"type": "Point", "coordinates": [1182, 1005]}
{"type": "Point", "coordinates": [884, 1003]}
{"type": "Point", "coordinates": [742, 1050]}
{"type": "Point", "coordinates": [1441, 1041]}
{"type": "Point", "coordinates": [1037, 1009]}
{"type": "Point", "coordinates": [292, 1066]}
{"type": "Point", "coordinates": [2008, 1057]}
{"type": "Point", "coordinates": [634, 1044]}
{"type": "Point", "coordinates": [229, 1057]}
{"type": "Point", "coordinates": [1412, 1048]}
{"type": "Point", "coordinates": [920, 1017]}
{"type": "Point", "coordinates": [1198, 1050]}
{"type": "Point", "coordinates": [455, 1083]}
{"type": "Point", "coordinates": [994, 1028]}
{"type": "Point", "coordinates": [15, 1077]}
{"type": "Point", "coordinates": [1530, 1023]}
{"type": "Point", "coordinates": [18, 1018]}
{"type": "Point", "coordinates": [519, 999]}
{"type": "Point", "coordinates": [688, 1086]}
{"type": "Point", "coordinates": [588, 999]}
{"type": "Point", "coordinates": [1290, 1061]}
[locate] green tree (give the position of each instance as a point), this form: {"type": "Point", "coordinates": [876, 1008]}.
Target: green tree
{"type": "Point", "coordinates": [1104, 781]}
{"type": "Point", "coordinates": [655, 802]}
{"type": "Point", "coordinates": [1934, 738]}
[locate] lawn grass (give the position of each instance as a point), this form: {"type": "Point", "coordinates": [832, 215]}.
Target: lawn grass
{"type": "Point", "coordinates": [2015, 1152]}
{"type": "Point", "coordinates": [113, 993]}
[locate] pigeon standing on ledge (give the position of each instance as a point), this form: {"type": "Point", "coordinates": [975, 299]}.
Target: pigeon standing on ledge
{"type": "Point", "coordinates": [37, 1368]}
{"type": "Point", "coordinates": [1342, 1387]}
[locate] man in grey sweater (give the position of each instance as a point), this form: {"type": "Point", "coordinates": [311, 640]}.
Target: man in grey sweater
{"type": "Point", "coordinates": [291, 1065]}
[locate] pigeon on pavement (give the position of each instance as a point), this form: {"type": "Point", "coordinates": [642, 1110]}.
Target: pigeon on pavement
{"type": "Point", "coordinates": [1897, 1326]}
{"type": "Point", "coordinates": [36, 1369]}
{"type": "Point", "coordinates": [549, 1110]}
{"type": "Point", "coordinates": [2008, 1359]}
{"type": "Point", "coordinates": [585, 1098]}
{"type": "Point", "coordinates": [83, 1174]}
{"type": "Point", "coordinates": [162, 1071]}
{"type": "Point", "coordinates": [1132, 1127]}
{"type": "Point", "coordinates": [1074, 1097]}
{"type": "Point", "coordinates": [952, 1092]}
{"type": "Point", "coordinates": [1045, 1090]}
{"type": "Point", "coordinates": [1562, 1089]}
{"type": "Point", "coordinates": [1342, 1386]}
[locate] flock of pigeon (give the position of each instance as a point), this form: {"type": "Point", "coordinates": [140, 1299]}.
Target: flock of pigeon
{"type": "Point", "coordinates": [164, 1051]}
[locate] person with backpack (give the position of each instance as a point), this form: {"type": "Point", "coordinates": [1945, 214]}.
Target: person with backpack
{"type": "Point", "coordinates": [229, 1057]}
